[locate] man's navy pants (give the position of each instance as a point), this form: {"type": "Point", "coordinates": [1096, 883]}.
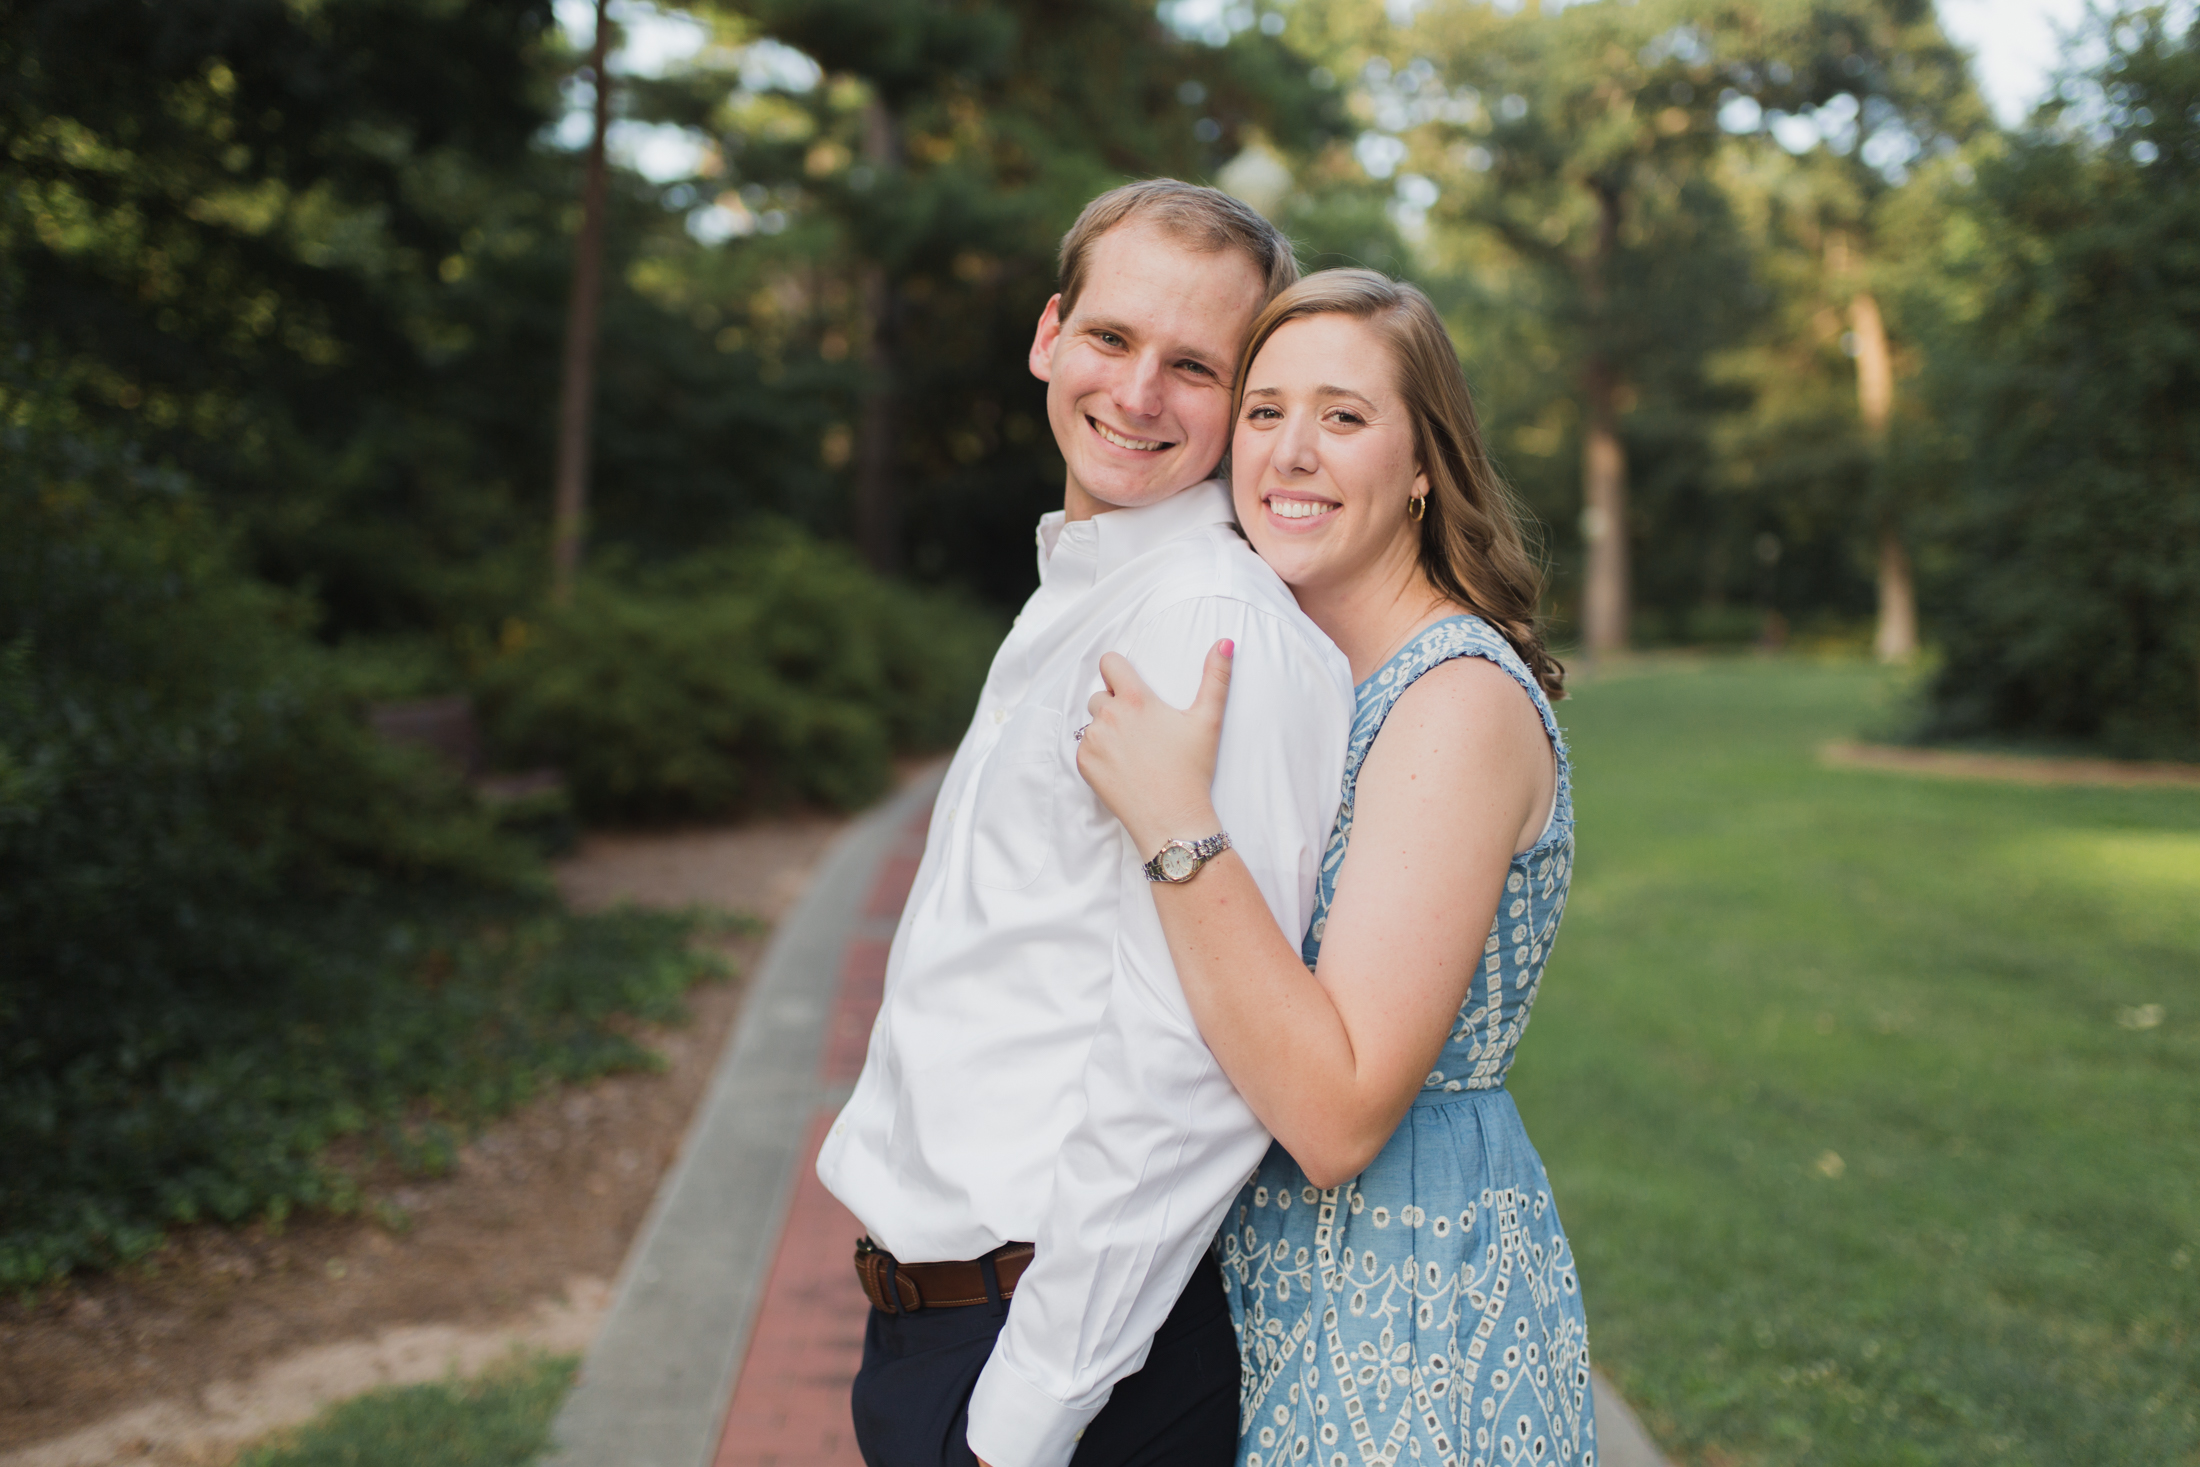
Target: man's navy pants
{"type": "Point", "coordinates": [912, 1397]}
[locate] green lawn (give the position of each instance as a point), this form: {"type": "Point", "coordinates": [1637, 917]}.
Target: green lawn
{"type": "Point", "coordinates": [501, 1419]}
{"type": "Point", "coordinates": [1872, 1141]}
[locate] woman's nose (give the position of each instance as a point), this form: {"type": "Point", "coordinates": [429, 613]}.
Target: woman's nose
{"type": "Point", "coordinates": [1297, 450]}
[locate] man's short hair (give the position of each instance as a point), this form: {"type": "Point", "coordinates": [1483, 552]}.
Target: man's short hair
{"type": "Point", "coordinates": [1203, 219]}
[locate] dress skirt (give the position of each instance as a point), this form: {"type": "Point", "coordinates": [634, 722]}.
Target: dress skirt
{"type": "Point", "coordinates": [1427, 1311]}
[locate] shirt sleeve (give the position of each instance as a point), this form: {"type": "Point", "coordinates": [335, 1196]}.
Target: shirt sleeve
{"type": "Point", "coordinates": [1165, 1143]}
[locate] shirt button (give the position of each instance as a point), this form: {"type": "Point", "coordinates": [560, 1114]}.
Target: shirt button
{"type": "Point", "coordinates": [1000, 715]}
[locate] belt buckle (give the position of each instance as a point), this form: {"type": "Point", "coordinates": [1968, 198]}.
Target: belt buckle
{"type": "Point", "coordinates": [873, 1261]}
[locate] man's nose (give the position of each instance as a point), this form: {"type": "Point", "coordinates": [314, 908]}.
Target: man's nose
{"type": "Point", "coordinates": [1138, 390]}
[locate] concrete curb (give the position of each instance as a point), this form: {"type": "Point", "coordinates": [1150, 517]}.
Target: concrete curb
{"type": "Point", "coordinates": [1621, 1441]}
{"type": "Point", "coordinates": [653, 1388]}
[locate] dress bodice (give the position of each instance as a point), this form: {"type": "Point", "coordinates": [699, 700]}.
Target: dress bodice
{"type": "Point", "coordinates": [1487, 1031]}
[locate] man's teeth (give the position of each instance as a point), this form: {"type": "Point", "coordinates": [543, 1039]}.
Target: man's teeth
{"type": "Point", "coordinates": [1142, 444]}
{"type": "Point", "coordinates": [1299, 509]}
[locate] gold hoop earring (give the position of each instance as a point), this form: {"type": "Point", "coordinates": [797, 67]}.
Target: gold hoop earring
{"type": "Point", "coordinates": [1417, 506]}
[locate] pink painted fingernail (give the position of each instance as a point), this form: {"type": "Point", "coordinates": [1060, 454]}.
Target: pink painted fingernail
{"type": "Point", "coordinates": [1229, 648]}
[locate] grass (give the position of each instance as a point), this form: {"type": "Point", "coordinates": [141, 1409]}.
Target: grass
{"type": "Point", "coordinates": [1872, 1102]}
{"type": "Point", "coordinates": [500, 1419]}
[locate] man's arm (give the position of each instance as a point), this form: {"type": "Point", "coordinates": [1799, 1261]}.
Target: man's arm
{"type": "Point", "coordinates": [1165, 1142]}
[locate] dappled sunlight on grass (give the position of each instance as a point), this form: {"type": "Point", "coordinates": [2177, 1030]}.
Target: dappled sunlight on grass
{"type": "Point", "coordinates": [2148, 880]}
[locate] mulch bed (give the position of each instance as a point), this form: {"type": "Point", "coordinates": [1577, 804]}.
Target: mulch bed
{"type": "Point", "coordinates": [2009, 768]}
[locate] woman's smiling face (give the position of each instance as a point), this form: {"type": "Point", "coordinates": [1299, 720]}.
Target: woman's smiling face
{"type": "Point", "coordinates": [1323, 457]}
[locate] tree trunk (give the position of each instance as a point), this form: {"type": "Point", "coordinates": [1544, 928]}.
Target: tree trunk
{"type": "Point", "coordinates": [1604, 520]}
{"type": "Point", "coordinates": [578, 395]}
{"type": "Point", "coordinates": [1605, 592]}
{"type": "Point", "coordinates": [878, 496]}
{"type": "Point", "coordinates": [1896, 638]}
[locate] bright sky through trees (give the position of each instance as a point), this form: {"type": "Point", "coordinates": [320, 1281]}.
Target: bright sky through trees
{"type": "Point", "coordinates": [2017, 45]}
{"type": "Point", "coordinates": [653, 40]}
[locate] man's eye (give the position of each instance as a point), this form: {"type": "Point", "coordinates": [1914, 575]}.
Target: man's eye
{"type": "Point", "coordinates": [1200, 367]}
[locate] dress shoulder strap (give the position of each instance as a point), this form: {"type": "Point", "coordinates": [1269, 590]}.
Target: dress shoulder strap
{"type": "Point", "coordinates": [1462, 635]}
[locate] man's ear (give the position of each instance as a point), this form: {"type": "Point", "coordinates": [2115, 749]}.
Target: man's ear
{"type": "Point", "coordinates": [1042, 341]}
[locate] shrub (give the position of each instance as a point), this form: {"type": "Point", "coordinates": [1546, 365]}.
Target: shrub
{"type": "Point", "coordinates": [745, 677]}
{"type": "Point", "coordinates": [234, 926]}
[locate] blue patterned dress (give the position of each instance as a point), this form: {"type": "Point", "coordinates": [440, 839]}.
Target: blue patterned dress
{"type": "Point", "coordinates": [1426, 1311]}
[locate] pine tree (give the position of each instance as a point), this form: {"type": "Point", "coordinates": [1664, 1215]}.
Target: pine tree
{"type": "Point", "coordinates": [948, 147]}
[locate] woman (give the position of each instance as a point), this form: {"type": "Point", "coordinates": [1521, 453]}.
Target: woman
{"type": "Point", "coordinates": [1400, 1283]}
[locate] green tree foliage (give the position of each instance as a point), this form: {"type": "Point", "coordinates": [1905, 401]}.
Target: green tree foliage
{"type": "Point", "coordinates": [228, 226]}
{"type": "Point", "coordinates": [2064, 363]}
{"type": "Point", "coordinates": [1585, 231]}
{"type": "Point", "coordinates": [317, 257]}
{"type": "Point", "coordinates": [1825, 366]}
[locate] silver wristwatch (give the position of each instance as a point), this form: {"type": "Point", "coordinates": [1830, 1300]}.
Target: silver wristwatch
{"type": "Point", "coordinates": [1180, 860]}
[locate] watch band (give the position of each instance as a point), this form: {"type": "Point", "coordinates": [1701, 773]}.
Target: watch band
{"type": "Point", "coordinates": [1190, 856]}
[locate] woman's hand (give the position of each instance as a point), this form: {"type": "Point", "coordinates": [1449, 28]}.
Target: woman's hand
{"type": "Point", "coordinates": [1152, 765]}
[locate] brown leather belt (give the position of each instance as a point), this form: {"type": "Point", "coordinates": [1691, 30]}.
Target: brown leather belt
{"type": "Point", "coordinates": [894, 1287]}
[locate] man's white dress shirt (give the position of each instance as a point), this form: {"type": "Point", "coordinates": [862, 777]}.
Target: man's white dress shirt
{"type": "Point", "coordinates": [1035, 1074]}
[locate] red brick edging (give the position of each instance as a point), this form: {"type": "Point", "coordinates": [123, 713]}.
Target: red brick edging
{"type": "Point", "coordinates": [790, 1398]}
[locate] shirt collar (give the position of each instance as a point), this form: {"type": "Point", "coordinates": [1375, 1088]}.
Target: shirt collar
{"type": "Point", "coordinates": [1120, 536]}
{"type": "Point", "coordinates": [1048, 535]}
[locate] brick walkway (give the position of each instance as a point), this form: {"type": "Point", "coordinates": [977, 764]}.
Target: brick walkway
{"type": "Point", "coordinates": [790, 1402]}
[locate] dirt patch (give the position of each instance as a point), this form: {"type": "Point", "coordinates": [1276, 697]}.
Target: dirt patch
{"type": "Point", "coordinates": [759, 869]}
{"type": "Point", "coordinates": [2009, 768]}
{"type": "Point", "coordinates": [230, 1415]}
{"type": "Point", "coordinates": [227, 1333]}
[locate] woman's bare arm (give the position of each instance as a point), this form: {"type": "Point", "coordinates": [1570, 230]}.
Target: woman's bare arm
{"type": "Point", "coordinates": [1461, 778]}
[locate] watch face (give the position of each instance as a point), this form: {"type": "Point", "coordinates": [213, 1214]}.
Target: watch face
{"type": "Point", "coordinates": [1178, 863]}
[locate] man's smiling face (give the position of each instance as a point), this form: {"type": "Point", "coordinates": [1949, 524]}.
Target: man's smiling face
{"type": "Point", "coordinates": [1138, 377]}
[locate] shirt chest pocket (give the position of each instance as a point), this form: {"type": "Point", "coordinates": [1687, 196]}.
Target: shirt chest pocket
{"type": "Point", "coordinates": [1013, 809]}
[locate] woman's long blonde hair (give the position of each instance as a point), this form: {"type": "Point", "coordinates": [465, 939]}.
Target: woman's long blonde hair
{"type": "Point", "coordinates": [1474, 541]}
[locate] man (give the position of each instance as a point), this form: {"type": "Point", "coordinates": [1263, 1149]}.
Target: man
{"type": "Point", "coordinates": [1035, 1081]}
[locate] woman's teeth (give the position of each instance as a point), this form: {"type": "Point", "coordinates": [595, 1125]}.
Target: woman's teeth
{"type": "Point", "coordinates": [1141, 444]}
{"type": "Point", "coordinates": [1298, 509]}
